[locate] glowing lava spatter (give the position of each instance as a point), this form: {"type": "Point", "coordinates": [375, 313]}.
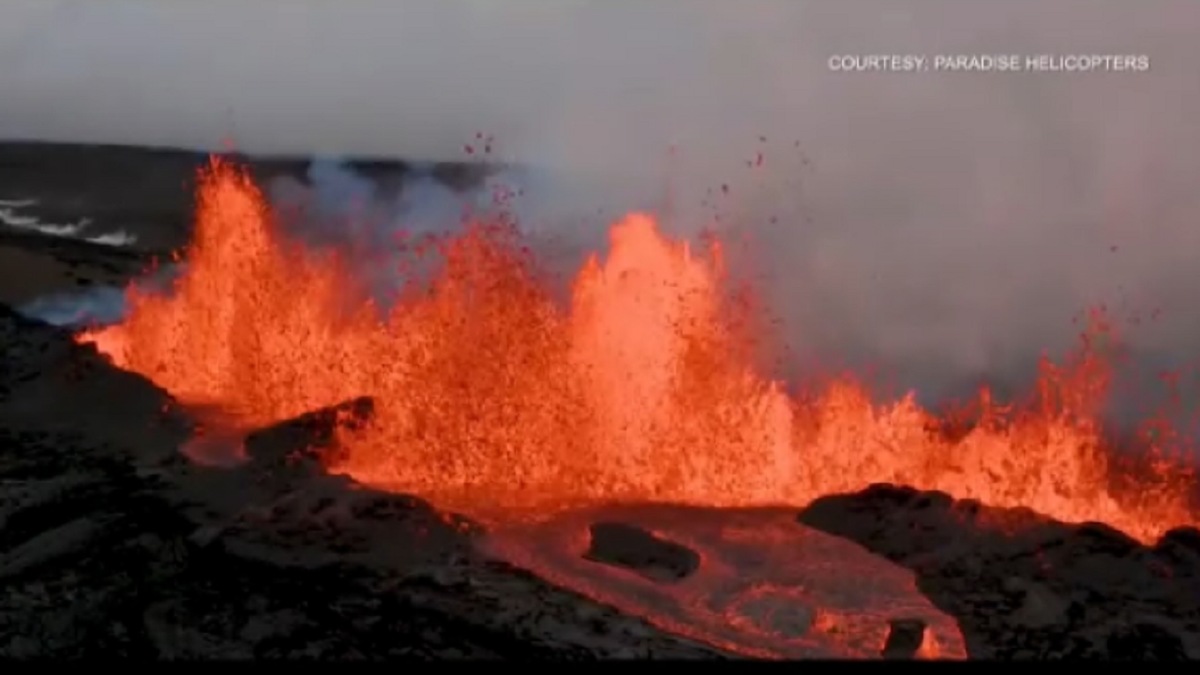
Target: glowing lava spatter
{"type": "Point", "coordinates": [490, 395]}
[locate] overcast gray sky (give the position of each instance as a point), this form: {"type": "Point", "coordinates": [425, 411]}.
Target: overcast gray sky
{"type": "Point", "coordinates": [419, 76]}
{"type": "Point", "coordinates": [957, 220]}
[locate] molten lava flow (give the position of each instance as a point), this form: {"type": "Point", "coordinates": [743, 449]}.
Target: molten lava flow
{"type": "Point", "coordinates": [767, 586]}
{"type": "Point", "coordinates": [492, 396]}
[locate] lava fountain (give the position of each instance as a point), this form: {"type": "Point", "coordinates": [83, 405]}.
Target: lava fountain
{"type": "Point", "coordinates": [494, 399]}
{"type": "Point", "coordinates": [491, 396]}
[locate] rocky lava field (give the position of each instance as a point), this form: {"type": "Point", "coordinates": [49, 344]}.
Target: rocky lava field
{"type": "Point", "coordinates": [261, 464]}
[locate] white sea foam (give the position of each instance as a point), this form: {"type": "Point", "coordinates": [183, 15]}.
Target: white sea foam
{"type": "Point", "coordinates": [10, 216]}
{"type": "Point", "coordinates": [119, 238]}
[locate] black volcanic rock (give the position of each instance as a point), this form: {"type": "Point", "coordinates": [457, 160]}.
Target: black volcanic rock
{"type": "Point", "coordinates": [1025, 586]}
{"type": "Point", "coordinates": [50, 383]}
{"type": "Point", "coordinates": [904, 639]}
{"type": "Point", "coordinates": [1180, 549]}
{"type": "Point", "coordinates": [310, 436]}
{"type": "Point", "coordinates": [1145, 642]}
{"type": "Point", "coordinates": [633, 548]}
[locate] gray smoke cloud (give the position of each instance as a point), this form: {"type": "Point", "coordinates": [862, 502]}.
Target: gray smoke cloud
{"type": "Point", "coordinates": [946, 225]}
{"type": "Point", "coordinates": [98, 305]}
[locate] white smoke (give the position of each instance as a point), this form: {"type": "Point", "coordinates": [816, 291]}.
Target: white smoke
{"type": "Point", "coordinates": [97, 305]}
{"type": "Point", "coordinates": [561, 218]}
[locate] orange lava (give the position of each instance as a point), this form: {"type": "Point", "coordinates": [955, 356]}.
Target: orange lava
{"type": "Point", "coordinates": [490, 395]}
{"type": "Point", "coordinates": [767, 587]}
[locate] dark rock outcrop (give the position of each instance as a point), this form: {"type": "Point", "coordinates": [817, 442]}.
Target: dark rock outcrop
{"type": "Point", "coordinates": [310, 436]}
{"type": "Point", "coordinates": [1025, 586]}
{"type": "Point", "coordinates": [905, 638]}
{"type": "Point", "coordinates": [634, 548]}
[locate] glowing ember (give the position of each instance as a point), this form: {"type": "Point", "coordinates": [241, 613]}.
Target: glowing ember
{"type": "Point", "coordinates": [492, 396]}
